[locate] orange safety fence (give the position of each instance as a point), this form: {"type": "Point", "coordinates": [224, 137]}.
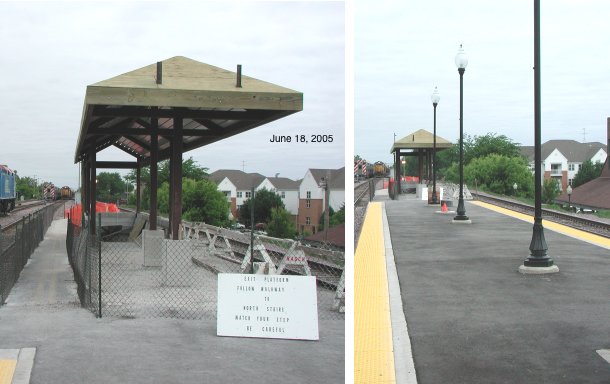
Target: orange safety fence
{"type": "Point", "coordinates": [75, 213]}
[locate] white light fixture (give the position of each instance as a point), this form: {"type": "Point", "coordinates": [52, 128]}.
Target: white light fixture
{"type": "Point", "coordinates": [436, 97]}
{"type": "Point", "coordinates": [461, 60]}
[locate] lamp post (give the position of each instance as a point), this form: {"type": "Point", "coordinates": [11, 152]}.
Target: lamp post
{"type": "Point", "coordinates": [538, 262]}
{"type": "Point", "coordinates": [569, 191]}
{"type": "Point", "coordinates": [461, 61]}
{"type": "Point", "coordinates": [435, 99]}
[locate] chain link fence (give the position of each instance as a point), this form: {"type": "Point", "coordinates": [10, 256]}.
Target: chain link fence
{"type": "Point", "coordinates": [18, 242]}
{"type": "Point", "coordinates": [129, 274]}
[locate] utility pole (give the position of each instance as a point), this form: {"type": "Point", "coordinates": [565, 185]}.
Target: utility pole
{"type": "Point", "coordinates": [326, 186]}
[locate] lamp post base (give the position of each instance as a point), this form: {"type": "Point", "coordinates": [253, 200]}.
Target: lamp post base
{"type": "Point", "coordinates": [461, 219]}
{"type": "Point", "coordinates": [538, 270]}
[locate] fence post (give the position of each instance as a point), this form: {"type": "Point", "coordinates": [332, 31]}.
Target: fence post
{"type": "Point", "coordinates": [252, 230]}
{"type": "Point", "coordinates": [99, 273]}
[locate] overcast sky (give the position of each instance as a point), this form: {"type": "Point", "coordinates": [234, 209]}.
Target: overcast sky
{"type": "Point", "coordinates": [403, 49]}
{"type": "Point", "coordinates": [51, 51]}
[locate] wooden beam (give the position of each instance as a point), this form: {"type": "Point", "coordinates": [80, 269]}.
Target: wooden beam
{"type": "Point", "coordinates": [154, 153]}
{"type": "Point", "coordinates": [176, 180]}
{"type": "Point", "coordinates": [135, 112]}
{"type": "Point", "coordinates": [116, 164]}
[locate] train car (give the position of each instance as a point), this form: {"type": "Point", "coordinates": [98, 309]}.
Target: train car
{"type": "Point", "coordinates": [50, 192]}
{"type": "Point", "coordinates": [8, 189]}
{"type": "Point", "coordinates": [66, 193]}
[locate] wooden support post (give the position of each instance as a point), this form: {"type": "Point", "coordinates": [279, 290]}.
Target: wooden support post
{"type": "Point", "coordinates": [154, 153]}
{"type": "Point", "coordinates": [92, 192]}
{"type": "Point", "coordinates": [420, 165]}
{"type": "Point", "coordinates": [397, 174]}
{"type": "Point", "coordinates": [138, 188]}
{"type": "Point", "coordinates": [176, 178]}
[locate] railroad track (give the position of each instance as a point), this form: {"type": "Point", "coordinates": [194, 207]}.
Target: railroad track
{"type": "Point", "coordinates": [361, 193]}
{"type": "Point", "coordinates": [585, 224]}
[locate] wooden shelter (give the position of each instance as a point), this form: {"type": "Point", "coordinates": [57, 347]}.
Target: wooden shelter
{"type": "Point", "coordinates": [419, 143]}
{"type": "Point", "coordinates": [162, 110]}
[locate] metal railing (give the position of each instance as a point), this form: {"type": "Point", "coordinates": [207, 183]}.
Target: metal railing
{"type": "Point", "coordinates": [18, 242]}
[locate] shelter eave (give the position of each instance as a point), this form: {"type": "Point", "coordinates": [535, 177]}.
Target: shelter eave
{"type": "Point", "coordinates": [167, 97]}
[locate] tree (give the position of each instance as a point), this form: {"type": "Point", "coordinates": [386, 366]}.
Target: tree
{"type": "Point", "coordinates": [281, 224]}
{"type": "Point", "coordinates": [264, 200]}
{"type": "Point", "coordinates": [335, 217]}
{"type": "Point", "coordinates": [109, 187]}
{"type": "Point", "coordinates": [201, 201]}
{"type": "Point", "coordinates": [27, 187]}
{"type": "Point", "coordinates": [550, 190]}
{"type": "Point", "coordinates": [190, 170]}
{"type": "Point", "coordinates": [497, 173]}
{"type": "Point", "coordinates": [587, 172]}
{"type": "Point", "coordinates": [475, 147]}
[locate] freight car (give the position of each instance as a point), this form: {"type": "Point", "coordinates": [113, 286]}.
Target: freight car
{"type": "Point", "coordinates": [8, 191]}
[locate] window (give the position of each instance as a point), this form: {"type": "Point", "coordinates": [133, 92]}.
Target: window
{"type": "Point", "coordinates": [308, 203]}
{"type": "Point", "coordinates": [570, 182]}
{"type": "Point", "coordinates": [248, 194]}
{"type": "Point", "coordinates": [579, 165]}
{"type": "Point", "coordinates": [239, 194]}
{"type": "Point", "coordinates": [309, 194]}
{"type": "Point", "coordinates": [308, 220]}
{"type": "Point", "coordinates": [556, 169]}
{"type": "Point", "coordinates": [283, 195]}
{"type": "Point", "coordinates": [570, 167]}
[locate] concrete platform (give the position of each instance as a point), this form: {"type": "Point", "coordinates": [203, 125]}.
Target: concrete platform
{"type": "Point", "coordinates": [72, 346]}
{"type": "Point", "coordinates": [473, 318]}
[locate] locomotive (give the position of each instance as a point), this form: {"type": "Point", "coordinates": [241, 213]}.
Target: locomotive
{"type": "Point", "coordinates": [66, 193]}
{"type": "Point", "coordinates": [8, 189]}
{"type": "Point", "coordinates": [365, 170]}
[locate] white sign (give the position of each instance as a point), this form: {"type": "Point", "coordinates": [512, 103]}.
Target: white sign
{"type": "Point", "coordinates": [271, 306]}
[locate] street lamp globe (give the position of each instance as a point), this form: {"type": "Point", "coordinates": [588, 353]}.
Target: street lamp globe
{"type": "Point", "coordinates": [569, 190]}
{"type": "Point", "coordinates": [436, 97]}
{"type": "Point", "coordinates": [461, 60]}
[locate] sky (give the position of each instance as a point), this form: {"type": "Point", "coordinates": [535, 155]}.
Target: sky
{"type": "Point", "coordinates": [53, 50]}
{"type": "Point", "coordinates": [403, 49]}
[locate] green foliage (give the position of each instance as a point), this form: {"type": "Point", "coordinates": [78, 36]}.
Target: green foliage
{"type": "Point", "coordinates": [201, 202]}
{"type": "Point", "coordinates": [27, 187]}
{"type": "Point", "coordinates": [550, 190]}
{"type": "Point", "coordinates": [338, 217]}
{"type": "Point", "coordinates": [587, 172]}
{"type": "Point", "coordinates": [335, 218]}
{"type": "Point", "coordinates": [190, 170]}
{"type": "Point", "coordinates": [281, 224]}
{"type": "Point", "coordinates": [475, 147]}
{"type": "Point", "coordinates": [497, 174]}
{"type": "Point", "coordinates": [264, 200]}
{"type": "Point", "coordinates": [109, 187]}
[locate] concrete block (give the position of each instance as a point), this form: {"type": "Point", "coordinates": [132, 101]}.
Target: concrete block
{"type": "Point", "coordinates": [151, 247]}
{"type": "Point", "coordinates": [177, 265]}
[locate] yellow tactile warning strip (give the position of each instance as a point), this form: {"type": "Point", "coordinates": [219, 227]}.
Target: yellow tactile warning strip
{"type": "Point", "coordinates": [576, 233]}
{"type": "Point", "coordinates": [373, 350]}
{"type": "Point", "coordinates": [7, 369]}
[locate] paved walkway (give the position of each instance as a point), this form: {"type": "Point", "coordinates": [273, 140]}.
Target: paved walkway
{"type": "Point", "coordinates": [72, 346]}
{"type": "Point", "coordinates": [473, 318]}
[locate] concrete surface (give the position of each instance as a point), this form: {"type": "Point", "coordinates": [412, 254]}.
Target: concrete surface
{"type": "Point", "coordinates": [473, 318]}
{"type": "Point", "coordinates": [72, 346]}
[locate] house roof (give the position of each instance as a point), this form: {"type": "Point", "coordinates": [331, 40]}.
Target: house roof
{"type": "Point", "coordinates": [241, 180]}
{"type": "Point", "coordinates": [593, 194]}
{"type": "Point", "coordinates": [283, 183]}
{"type": "Point", "coordinates": [121, 111]}
{"type": "Point", "coordinates": [337, 177]}
{"type": "Point", "coordinates": [574, 151]}
{"type": "Point", "coordinates": [419, 140]}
